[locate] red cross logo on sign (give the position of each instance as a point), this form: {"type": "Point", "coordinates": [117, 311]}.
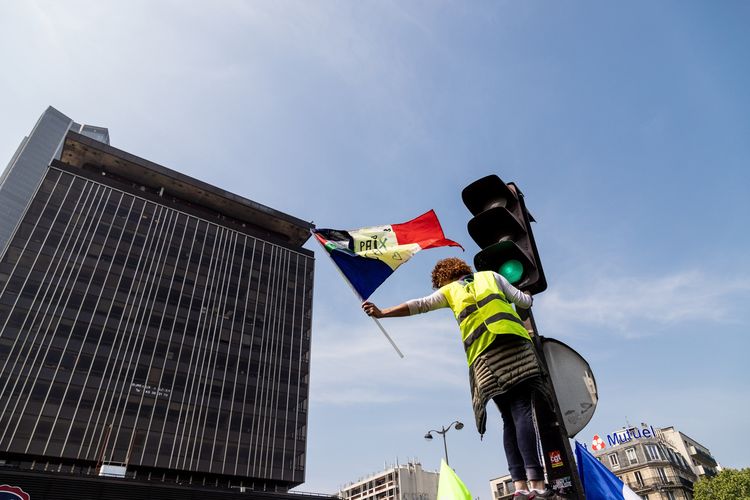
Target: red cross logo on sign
{"type": "Point", "coordinates": [597, 443]}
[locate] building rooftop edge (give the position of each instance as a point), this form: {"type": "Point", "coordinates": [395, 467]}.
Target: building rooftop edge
{"type": "Point", "coordinates": [79, 150]}
{"type": "Point", "coordinates": [387, 470]}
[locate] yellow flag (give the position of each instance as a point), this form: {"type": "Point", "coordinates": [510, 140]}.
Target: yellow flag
{"type": "Point", "coordinates": [450, 486]}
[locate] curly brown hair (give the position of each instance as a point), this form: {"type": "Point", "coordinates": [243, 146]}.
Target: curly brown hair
{"type": "Point", "coordinates": [449, 270]}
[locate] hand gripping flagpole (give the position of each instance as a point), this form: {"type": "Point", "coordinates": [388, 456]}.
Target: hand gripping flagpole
{"type": "Point", "coordinates": [356, 294]}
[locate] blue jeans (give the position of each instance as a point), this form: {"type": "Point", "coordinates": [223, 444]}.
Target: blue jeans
{"type": "Point", "coordinates": [519, 435]}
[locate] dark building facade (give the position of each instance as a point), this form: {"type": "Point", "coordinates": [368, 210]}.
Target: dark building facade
{"type": "Point", "coordinates": [155, 322]}
{"type": "Point", "coordinates": [18, 485]}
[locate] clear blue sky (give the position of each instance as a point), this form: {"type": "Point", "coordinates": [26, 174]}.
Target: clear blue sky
{"type": "Point", "coordinates": [627, 126]}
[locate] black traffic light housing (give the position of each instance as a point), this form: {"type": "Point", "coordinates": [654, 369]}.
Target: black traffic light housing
{"type": "Point", "coordinates": [501, 226]}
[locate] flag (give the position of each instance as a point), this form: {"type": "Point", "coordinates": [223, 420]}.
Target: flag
{"type": "Point", "coordinates": [599, 483]}
{"type": "Point", "coordinates": [368, 256]}
{"type": "Point", "coordinates": [450, 486]}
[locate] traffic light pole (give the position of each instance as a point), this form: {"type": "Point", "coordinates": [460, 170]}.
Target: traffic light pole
{"type": "Point", "coordinates": [501, 226]}
{"type": "Point", "coordinates": [559, 461]}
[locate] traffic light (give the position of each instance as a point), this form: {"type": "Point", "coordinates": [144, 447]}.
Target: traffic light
{"type": "Point", "coordinates": [501, 226]}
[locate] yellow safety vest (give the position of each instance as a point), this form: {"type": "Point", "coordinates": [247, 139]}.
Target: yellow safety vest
{"type": "Point", "coordinates": [482, 311]}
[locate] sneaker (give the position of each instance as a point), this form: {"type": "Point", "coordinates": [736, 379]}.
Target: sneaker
{"type": "Point", "coordinates": [547, 494]}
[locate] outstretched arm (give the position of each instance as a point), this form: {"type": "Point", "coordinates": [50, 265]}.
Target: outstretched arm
{"type": "Point", "coordinates": [432, 302]}
{"type": "Point", "coordinates": [389, 312]}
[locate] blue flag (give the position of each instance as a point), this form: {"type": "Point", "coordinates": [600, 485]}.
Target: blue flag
{"type": "Point", "coordinates": [599, 483]}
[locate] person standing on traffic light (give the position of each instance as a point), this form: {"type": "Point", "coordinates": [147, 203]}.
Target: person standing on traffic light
{"type": "Point", "coordinates": [503, 365]}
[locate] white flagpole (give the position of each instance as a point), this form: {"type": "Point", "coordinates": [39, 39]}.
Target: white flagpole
{"type": "Point", "coordinates": [401, 355]}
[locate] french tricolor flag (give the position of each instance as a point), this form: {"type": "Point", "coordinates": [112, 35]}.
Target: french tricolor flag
{"type": "Point", "coordinates": [599, 483]}
{"type": "Point", "coordinates": [368, 256]}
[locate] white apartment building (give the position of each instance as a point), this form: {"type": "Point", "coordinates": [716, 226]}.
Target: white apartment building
{"type": "Point", "coordinates": [502, 487]}
{"type": "Point", "coordinates": [700, 458]}
{"type": "Point", "coordinates": [400, 482]}
{"type": "Point", "coordinates": [657, 464]}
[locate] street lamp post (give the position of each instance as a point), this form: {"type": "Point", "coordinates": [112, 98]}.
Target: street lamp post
{"type": "Point", "coordinates": [458, 425]}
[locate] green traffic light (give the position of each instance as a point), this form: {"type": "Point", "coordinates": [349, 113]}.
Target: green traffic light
{"type": "Point", "coordinates": [512, 270]}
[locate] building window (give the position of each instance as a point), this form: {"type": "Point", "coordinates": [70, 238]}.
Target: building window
{"type": "Point", "coordinates": [652, 452]}
{"type": "Point", "coordinates": [632, 457]}
{"type": "Point", "coordinates": [613, 461]}
{"type": "Point", "coordinates": [670, 495]}
{"type": "Point", "coordinates": [662, 474]}
{"type": "Point", "coordinates": [639, 478]}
